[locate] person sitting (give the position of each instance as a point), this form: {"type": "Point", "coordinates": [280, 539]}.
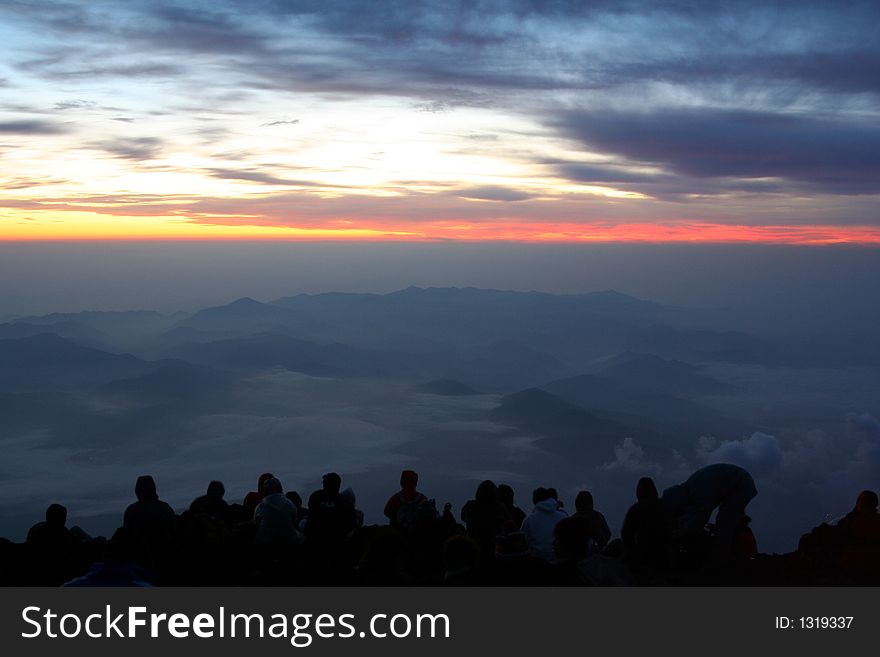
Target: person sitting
{"type": "Point", "coordinates": [349, 496]}
{"type": "Point", "coordinates": [404, 508]}
{"type": "Point", "coordinates": [598, 532]}
{"type": "Point", "coordinates": [645, 531]}
{"type": "Point", "coordinates": [484, 517]}
{"type": "Point", "coordinates": [859, 536]}
{"type": "Point", "coordinates": [52, 534]}
{"type": "Point", "coordinates": [276, 517]}
{"type": "Point", "coordinates": [331, 516]}
{"type": "Point", "coordinates": [724, 486]}
{"type": "Point", "coordinates": [571, 541]}
{"type": "Point", "coordinates": [516, 514]}
{"type": "Point", "coordinates": [150, 521]}
{"type": "Point", "coordinates": [212, 503]}
{"type": "Point", "coordinates": [253, 498]}
{"type": "Point", "coordinates": [538, 526]}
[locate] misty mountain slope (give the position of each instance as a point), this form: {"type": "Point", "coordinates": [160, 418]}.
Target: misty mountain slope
{"type": "Point", "coordinates": [262, 351]}
{"type": "Point", "coordinates": [650, 372]}
{"type": "Point", "coordinates": [564, 428]}
{"type": "Point", "coordinates": [243, 314]}
{"type": "Point", "coordinates": [49, 362]}
{"type": "Point", "coordinates": [173, 383]}
{"type": "Point", "coordinates": [80, 334]}
{"type": "Point", "coordinates": [680, 420]}
{"type": "Point", "coordinates": [121, 330]}
{"type": "Point", "coordinates": [446, 388]}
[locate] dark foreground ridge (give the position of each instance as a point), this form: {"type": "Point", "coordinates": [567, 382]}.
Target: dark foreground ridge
{"type": "Point", "coordinates": [274, 538]}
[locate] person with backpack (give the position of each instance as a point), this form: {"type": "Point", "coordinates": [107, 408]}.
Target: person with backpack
{"type": "Point", "coordinates": [406, 507]}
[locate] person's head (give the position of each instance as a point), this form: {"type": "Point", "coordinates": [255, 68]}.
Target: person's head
{"type": "Point", "coordinates": [294, 497]}
{"type": "Point", "coordinates": [552, 493]}
{"type": "Point", "coordinates": [866, 502]}
{"type": "Point", "coordinates": [646, 490]}
{"type": "Point", "coordinates": [539, 495]}
{"type": "Point", "coordinates": [505, 492]}
{"type": "Point", "coordinates": [331, 482]}
{"type": "Point", "coordinates": [571, 539]}
{"type": "Point", "coordinates": [216, 490]}
{"type": "Point", "coordinates": [583, 503]}
{"type": "Point", "coordinates": [261, 482]}
{"type": "Point", "coordinates": [56, 515]}
{"type": "Point", "coordinates": [409, 479]}
{"type": "Point", "coordinates": [272, 487]}
{"type": "Point", "coordinates": [145, 488]}
{"type": "Point", "coordinates": [675, 500]}
{"type": "Point", "coordinates": [487, 491]}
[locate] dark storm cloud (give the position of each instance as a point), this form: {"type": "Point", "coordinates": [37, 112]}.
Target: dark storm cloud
{"type": "Point", "coordinates": [833, 155]}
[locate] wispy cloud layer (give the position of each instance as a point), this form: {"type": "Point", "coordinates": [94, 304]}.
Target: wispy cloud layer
{"type": "Point", "coordinates": [551, 113]}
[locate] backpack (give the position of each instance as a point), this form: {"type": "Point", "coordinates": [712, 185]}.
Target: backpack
{"type": "Point", "coordinates": [413, 512]}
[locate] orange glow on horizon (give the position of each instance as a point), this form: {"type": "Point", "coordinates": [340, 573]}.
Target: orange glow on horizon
{"type": "Point", "coordinates": [89, 227]}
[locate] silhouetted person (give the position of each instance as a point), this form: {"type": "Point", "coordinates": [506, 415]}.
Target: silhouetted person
{"type": "Point", "coordinates": [598, 531]}
{"type": "Point", "coordinates": [515, 514]}
{"type": "Point", "coordinates": [252, 499]}
{"type": "Point", "coordinates": [301, 511]}
{"type": "Point", "coordinates": [484, 517]}
{"type": "Point", "coordinates": [461, 562]}
{"type": "Point", "coordinates": [276, 517]}
{"type": "Point", "coordinates": [405, 507]}
{"type": "Point", "coordinates": [645, 531]}
{"type": "Point", "coordinates": [349, 496]}
{"type": "Point", "coordinates": [859, 536]}
{"type": "Point", "coordinates": [331, 516]}
{"type": "Point", "coordinates": [212, 503]}
{"type": "Point", "coordinates": [52, 534]}
{"type": "Point", "coordinates": [149, 520]}
{"type": "Point", "coordinates": [745, 545]}
{"type": "Point", "coordinates": [382, 563]}
{"type": "Point", "coordinates": [724, 486]}
{"type": "Point", "coordinates": [121, 565]}
{"type": "Point", "coordinates": [571, 540]}
{"type": "Point", "coordinates": [538, 526]}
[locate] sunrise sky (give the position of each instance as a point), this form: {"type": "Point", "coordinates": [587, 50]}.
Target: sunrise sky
{"type": "Point", "coordinates": [405, 120]}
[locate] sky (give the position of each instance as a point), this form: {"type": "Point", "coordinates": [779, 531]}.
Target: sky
{"type": "Point", "coordinates": [536, 121]}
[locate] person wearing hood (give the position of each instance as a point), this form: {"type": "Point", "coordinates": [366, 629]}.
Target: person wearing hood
{"type": "Point", "coordinates": [539, 525]}
{"type": "Point", "coordinates": [253, 498]}
{"type": "Point", "coordinates": [484, 517]}
{"type": "Point", "coordinates": [645, 531]}
{"type": "Point", "coordinates": [149, 519]}
{"type": "Point", "coordinates": [689, 505]}
{"type": "Point", "coordinates": [598, 532]}
{"type": "Point", "coordinates": [212, 503]}
{"type": "Point", "coordinates": [276, 517]}
{"type": "Point", "coordinates": [349, 496]}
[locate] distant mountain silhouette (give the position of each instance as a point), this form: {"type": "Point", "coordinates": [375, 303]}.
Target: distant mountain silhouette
{"type": "Point", "coordinates": [119, 329]}
{"type": "Point", "coordinates": [681, 420]}
{"type": "Point", "coordinates": [651, 372]}
{"type": "Point", "coordinates": [266, 350]}
{"type": "Point", "coordinates": [176, 382]}
{"type": "Point", "coordinates": [81, 334]}
{"type": "Point", "coordinates": [49, 362]}
{"type": "Point", "coordinates": [446, 387]}
{"type": "Point", "coordinates": [566, 429]}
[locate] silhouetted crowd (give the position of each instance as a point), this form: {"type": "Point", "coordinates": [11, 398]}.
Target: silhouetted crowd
{"type": "Point", "coordinates": [275, 538]}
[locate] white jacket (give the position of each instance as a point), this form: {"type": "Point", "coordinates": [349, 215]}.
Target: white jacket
{"type": "Point", "coordinates": [538, 528]}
